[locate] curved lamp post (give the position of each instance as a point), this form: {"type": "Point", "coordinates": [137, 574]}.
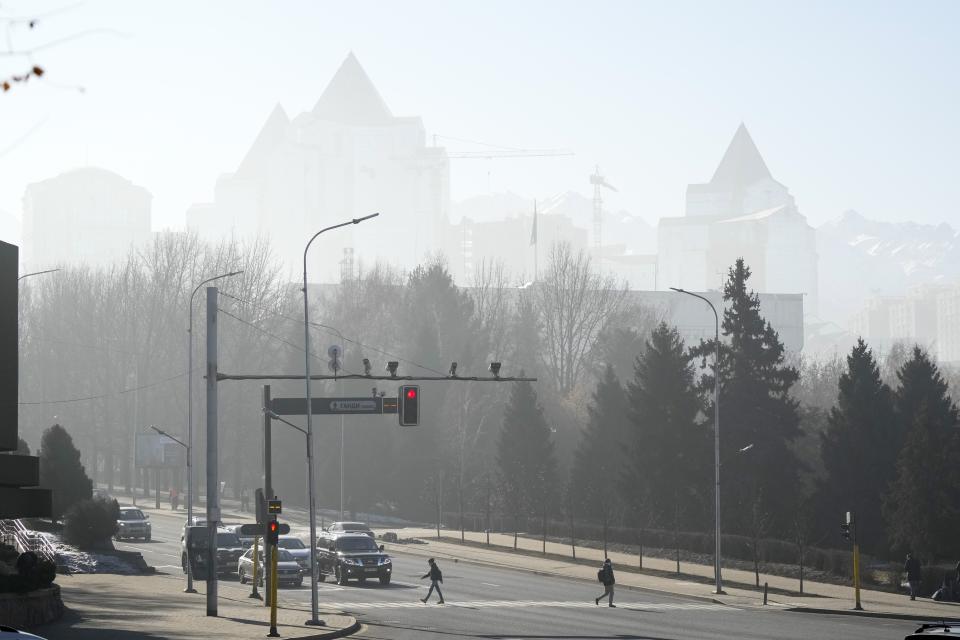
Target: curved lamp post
{"type": "Point", "coordinates": [189, 444]}
{"type": "Point", "coordinates": [716, 439]}
{"type": "Point", "coordinates": [314, 619]}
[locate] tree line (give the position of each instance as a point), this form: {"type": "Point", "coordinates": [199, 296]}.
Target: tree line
{"type": "Point", "coordinates": [618, 431]}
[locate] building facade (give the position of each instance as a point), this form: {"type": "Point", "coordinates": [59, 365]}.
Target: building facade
{"type": "Point", "coordinates": [741, 212]}
{"type": "Point", "coordinates": [87, 216]}
{"type": "Point", "coordinates": [346, 158]}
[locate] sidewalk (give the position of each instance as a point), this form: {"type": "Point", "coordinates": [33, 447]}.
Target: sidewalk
{"type": "Point", "coordinates": [818, 596]}
{"type": "Point", "coordinates": [108, 607]}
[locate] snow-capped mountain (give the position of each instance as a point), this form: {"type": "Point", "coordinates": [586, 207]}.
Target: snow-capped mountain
{"type": "Point", "coordinates": [862, 258]}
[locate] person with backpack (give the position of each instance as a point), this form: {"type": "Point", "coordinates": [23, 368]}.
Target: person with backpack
{"type": "Point", "coordinates": [436, 577]}
{"type": "Point", "coordinates": [912, 568]}
{"type": "Point", "coordinates": [605, 576]}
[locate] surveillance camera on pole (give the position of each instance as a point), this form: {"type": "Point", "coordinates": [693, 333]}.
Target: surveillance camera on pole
{"type": "Point", "coordinates": [494, 369]}
{"type": "Point", "coordinates": [366, 366]}
{"type": "Point", "coordinates": [453, 369]}
{"type": "Point", "coordinates": [392, 368]}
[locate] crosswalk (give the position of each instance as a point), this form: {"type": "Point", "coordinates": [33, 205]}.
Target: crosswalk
{"type": "Point", "coordinates": [527, 604]}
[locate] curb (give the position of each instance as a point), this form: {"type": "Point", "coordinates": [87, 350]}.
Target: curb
{"type": "Point", "coordinates": [339, 633]}
{"type": "Point", "coordinates": [872, 614]}
{"type": "Point", "coordinates": [540, 572]}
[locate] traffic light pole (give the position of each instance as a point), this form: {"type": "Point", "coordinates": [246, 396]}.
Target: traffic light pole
{"type": "Point", "coordinates": [856, 564]}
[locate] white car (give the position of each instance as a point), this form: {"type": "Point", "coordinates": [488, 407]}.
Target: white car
{"type": "Point", "coordinates": [942, 629]}
{"type": "Point", "coordinates": [9, 633]}
{"type": "Point", "coordinates": [133, 523]}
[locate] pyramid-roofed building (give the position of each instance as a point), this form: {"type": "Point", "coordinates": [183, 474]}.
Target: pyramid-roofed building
{"type": "Point", "coordinates": [347, 157]}
{"type": "Point", "coordinates": [742, 212]}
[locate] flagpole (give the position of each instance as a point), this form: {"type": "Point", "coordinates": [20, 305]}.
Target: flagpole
{"type": "Point", "coordinates": [536, 242]}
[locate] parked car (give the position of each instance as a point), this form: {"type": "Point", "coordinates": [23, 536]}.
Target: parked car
{"type": "Point", "coordinates": [338, 528]}
{"type": "Point", "coordinates": [133, 523]}
{"type": "Point", "coordinates": [229, 550]}
{"type": "Point", "coordinates": [288, 571]}
{"type": "Point", "coordinates": [12, 634]}
{"type": "Point", "coordinates": [245, 540]}
{"type": "Point", "coordinates": [928, 630]}
{"type": "Point", "coordinates": [296, 548]}
{"type": "Point", "coordinates": [354, 556]}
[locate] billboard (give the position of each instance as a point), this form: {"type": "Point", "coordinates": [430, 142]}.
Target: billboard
{"type": "Point", "coordinates": [156, 451]}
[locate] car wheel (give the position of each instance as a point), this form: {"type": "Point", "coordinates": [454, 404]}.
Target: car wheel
{"type": "Point", "coordinates": [243, 576]}
{"type": "Point", "coordinates": [339, 575]}
{"type": "Point", "coordinates": [384, 580]}
{"type": "Point", "coordinates": [299, 583]}
{"type": "Point", "coordinates": [147, 539]}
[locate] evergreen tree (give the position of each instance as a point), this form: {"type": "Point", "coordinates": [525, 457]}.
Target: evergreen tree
{"type": "Point", "coordinates": [756, 408]}
{"type": "Point", "coordinates": [525, 455]}
{"type": "Point", "coordinates": [599, 457]}
{"type": "Point", "coordinates": [23, 449]}
{"type": "Point", "coordinates": [859, 449]}
{"type": "Point", "coordinates": [922, 508]}
{"type": "Point", "coordinates": [61, 471]}
{"type": "Point", "coordinates": [668, 463]}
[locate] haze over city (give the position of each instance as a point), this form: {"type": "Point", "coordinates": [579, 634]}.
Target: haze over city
{"type": "Point", "coordinates": [307, 306]}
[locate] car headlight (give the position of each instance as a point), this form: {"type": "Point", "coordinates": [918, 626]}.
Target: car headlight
{"type": "Point", "coordinates": [383, 561]}
{"type": "Point", "coordinates": [352, 561]}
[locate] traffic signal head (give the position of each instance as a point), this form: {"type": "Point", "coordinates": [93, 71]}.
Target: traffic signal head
{"type": "Point", "coordinates": [409, 409]}
{"type": "Point", "coordinates": [845, 531]}
{"type": "Point", "coordinates": [273, 532]}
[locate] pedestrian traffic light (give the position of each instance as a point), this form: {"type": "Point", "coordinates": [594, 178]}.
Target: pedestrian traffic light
{"type": "Point", "coordinates": [845, 530]}
{"type": "Point", "coordinates": [409, 400]}
{"type": "Point", "coordinates": [273, 532]}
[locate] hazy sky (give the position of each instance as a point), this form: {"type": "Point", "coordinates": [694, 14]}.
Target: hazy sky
{"type": "Point", "coordinates": [853, 104]}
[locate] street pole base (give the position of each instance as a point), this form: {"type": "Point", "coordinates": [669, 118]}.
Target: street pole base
{"type": "Point", "coordinates": [273, 633]}
{"type": "Point", "coordinates": [315, 622]}
{"type": "Point", "coordinates": [189, 590]}
{"type": "Point", "coordinates": [255, 595]}
{"type": "Point", "coordinates": [719, 592]}
{"type": "Point", "coordinates": [857, 608]}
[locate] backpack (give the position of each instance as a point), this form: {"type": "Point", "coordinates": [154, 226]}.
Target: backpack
{"type": "Point", "coordinates": [601, 574]}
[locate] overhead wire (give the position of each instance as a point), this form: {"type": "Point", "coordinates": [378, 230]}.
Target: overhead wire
{"type": "Point", "coordinates": [332, 331]}
{"type": "Point", "coordinates": [109, 395]}
{"type": "Point", "coordinates": [274, 336]}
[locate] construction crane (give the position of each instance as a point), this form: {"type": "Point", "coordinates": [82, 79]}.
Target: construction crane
{"type": "Point", "coordinates": [499, 151]}
{"type": "Point", "coordinates": [598, 182]}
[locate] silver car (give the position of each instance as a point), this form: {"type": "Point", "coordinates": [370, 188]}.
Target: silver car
{"type": "Point", "coordinates": [133, 523]}
{"type": "Point", "coordinates": [288, 571]}
{"type": "Point", "coordinates": [296, 548]}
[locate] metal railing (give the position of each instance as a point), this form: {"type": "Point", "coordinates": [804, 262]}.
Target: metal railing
{"type": "Point", "coordinates": [14, 533]}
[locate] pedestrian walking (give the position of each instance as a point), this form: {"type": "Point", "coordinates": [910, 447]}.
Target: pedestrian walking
{"type": "Point", "coordinates": [605, 576]}
{"type": "Point", "coordinates": [174, 498]}
{"type": "Point", "coordinates": [436, 577]}
{"type": "Point", "coordinates": [912, 568]}
{"type": "Point", "coordinates": [244, 500]}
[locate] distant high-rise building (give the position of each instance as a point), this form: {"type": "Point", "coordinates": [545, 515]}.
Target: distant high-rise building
{"type": "Point", "coordinates": [85, 216]}
{"type": "Point", "coordinates": [346, 158]}
{"type": "Point", "coordinates": [741, 212]}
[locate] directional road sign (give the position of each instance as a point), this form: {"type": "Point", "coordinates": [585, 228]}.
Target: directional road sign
{"type": "Point", "coordinates": [334, 406]}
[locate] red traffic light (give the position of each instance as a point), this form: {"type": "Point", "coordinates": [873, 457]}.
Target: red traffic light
{"type": "Point", "coordinates": [411, 393]}
{"type": "Point", "coordinates": [274, 526]}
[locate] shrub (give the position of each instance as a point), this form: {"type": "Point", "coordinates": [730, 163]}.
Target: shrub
{"type": "Point", "coordinates": [31, 573]}
{"type": "Point", "coordinates": [91, 522]}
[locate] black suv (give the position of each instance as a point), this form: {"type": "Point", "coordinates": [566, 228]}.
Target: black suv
{"type": "Point", "coordinates": [351, 556]}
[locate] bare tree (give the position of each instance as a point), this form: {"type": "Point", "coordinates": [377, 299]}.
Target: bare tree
{"type": "Point", "coordinates": [574, 304]}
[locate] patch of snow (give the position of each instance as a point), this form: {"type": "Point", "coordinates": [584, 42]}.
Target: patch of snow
{"type": "Point", "coordinates": [77, 561]}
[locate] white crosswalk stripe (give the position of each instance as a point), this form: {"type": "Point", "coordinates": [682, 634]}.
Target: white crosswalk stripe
{"type": "Point", "coordinates": [498, 604]}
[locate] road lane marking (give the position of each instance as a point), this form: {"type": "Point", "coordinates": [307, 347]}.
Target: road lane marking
{"type": "Point", "coordinates": [507, 604]}
{"type": "Point", "coordinates": [490, 584]}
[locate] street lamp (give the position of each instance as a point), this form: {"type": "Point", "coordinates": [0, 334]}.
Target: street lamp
{"type": "Point", "coordinates": [314, 619]}
{"type": "Point", "coordinates": [36, 273]}
{"type": "Point", "coordinates": [716, 438]}
{"type": "Point", "coordinates": [190, 588]}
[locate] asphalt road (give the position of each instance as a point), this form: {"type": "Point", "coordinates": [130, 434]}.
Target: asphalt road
{"type": "Point", "coordinates": [486, 602]}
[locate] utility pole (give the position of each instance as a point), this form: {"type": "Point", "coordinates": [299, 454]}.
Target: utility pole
{"type": "Point", "coordinates": [213, 484]}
